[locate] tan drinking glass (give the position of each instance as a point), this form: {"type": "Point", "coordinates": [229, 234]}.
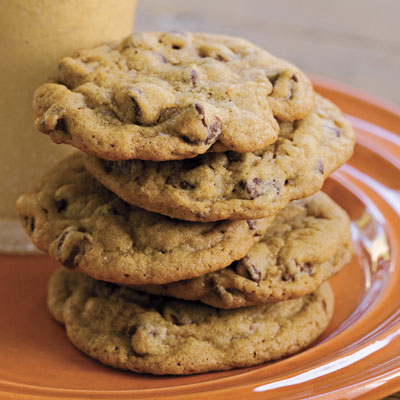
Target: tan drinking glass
{"type": "Point", "coordinates": [34, 35]}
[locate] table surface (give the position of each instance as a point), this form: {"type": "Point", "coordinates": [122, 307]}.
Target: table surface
{"type": "Point", "coordinates": [355, 42]}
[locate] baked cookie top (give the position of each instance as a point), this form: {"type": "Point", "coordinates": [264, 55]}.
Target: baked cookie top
{"type": "Point", "coordinates": [84, 226]}
{"type": "Point", "coordinates": [308, 242]}
{"type": "Point", "coordinates": [152, 334]}
{"type": "Point", "coordinates": [164, 96]}
{"type": "Point", "coordinates": [229, 185]}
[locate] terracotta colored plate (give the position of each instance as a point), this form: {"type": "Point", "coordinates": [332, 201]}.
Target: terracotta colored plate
{"type": "Point", "coordinates": [359, 355]}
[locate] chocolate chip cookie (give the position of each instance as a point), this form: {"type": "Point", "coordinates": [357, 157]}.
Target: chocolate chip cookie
{"type": "Point", "coordinates": [229, 185]}
{"type": "Point", "coordinates": [86, 227]}
{"type": "Point", "coordinates": [165, 96]}
{"type": "Point", "coordinates": [135, 331]}
{"type": "Point", "coordinates": [308, 242]}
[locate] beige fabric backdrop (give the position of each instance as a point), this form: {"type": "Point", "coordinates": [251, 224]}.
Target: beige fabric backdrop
{"type": "Point", "coordinates": [353, 41]}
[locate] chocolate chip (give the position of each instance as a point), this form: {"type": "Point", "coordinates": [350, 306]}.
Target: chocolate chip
{"type": "Point", "coordinates": [176, 47]}
{"type": "Point", "coordinates": [132, 330]}
{"type": "Point", "coordinates": [77, 248]}
{"type": "Point", "coordinates": [254, 273]}
{"type": "Point", "coordinates": [70, 261]}
{"type": "Point", "coordinates": [273, 76]}
{"type": "Point", "coordinates": [190, 141]}
{"type": "Point", "coordinates": [251, 224]}
{"type": "Point", "coordinates": [194, 77]}
{"type": "Point", "coordinates": [294, 77]}
{"type": "Point", "coordinates": [214, 131]}
{"type": "Point", "coordinates": [257, 181]}
{"type": "Point", "coordinates": [199, 108]}
{"type": "Point", "coordinates": [32, 224]}
{"type": "Point", "coordinates": [61, 205]}
{"type": "Point", "coordinates": [320, 167]}
{"type": "Point", "coordinates": [333, 129]}
{"type": "Point", "coordinates": [61, 125]}
{"type": "Point", "coordinates": [136, 109]}
{"type": "Point", "coordinates": [305, 267]}
{"type": "Point", "coordinates": [218, 57]}
{"type": "Point", "coordinates": [218, 289]}
{"type": "Point", "coordinates": [324, 305]}
{"type": "Point", "coordinates": [254, 187]}
{"type": "Point", "coordinates": [186, 185]}
{"type": "Point", "coordinates": [154, 333]}
{"type": "Point", "coordinates": [61, 240]}
{"type": "Point", "coordinates": [287, 277]}
{"type": "Point", "coordinates": [29, 223]}
{"type": "Point", "coordinates": [115, 212]}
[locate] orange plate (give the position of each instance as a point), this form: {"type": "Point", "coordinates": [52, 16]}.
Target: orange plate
{"type": "Point", "coordinates": [359, 355]}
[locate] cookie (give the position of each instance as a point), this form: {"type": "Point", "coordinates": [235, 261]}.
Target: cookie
{"type": "Point", "coordinates": [165, 96]}
{"type": "Point", "coordinates": [139, 332]}
{"type": "Point", "coordinates": [308, 242]}
{"type": "Point", "coordinates": [216, 186]}
{"type": "Point", "coordinates": [338, 136]}
{"type": "Point", "coordinates": [86, 227]}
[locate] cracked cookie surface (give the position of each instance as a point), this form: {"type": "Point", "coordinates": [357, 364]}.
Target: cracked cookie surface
{"type": "Point", "coordinates": [86, 227]}
{"type": "Point", "coordinates": [165, 96]}
{"type": "Point", "coordinates": [135, 331]}
{"type": "Point", "coordinates": [308, 242]}
{"type": "Point", "coordinates": [228, 185]}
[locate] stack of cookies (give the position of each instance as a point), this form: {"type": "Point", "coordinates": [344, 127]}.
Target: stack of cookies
{"type": "Point", "coordinates": [191, 228]}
